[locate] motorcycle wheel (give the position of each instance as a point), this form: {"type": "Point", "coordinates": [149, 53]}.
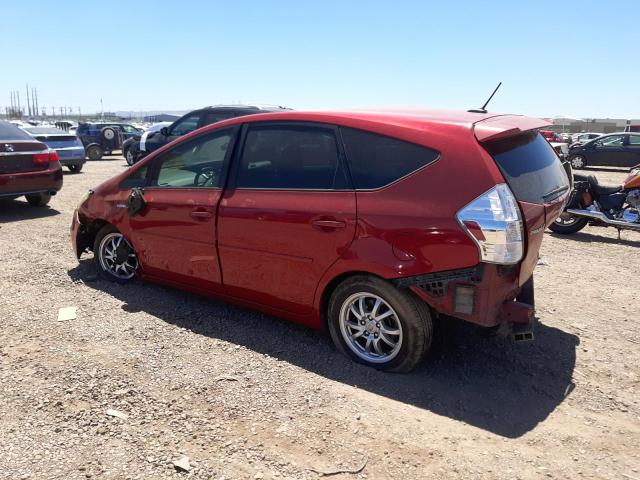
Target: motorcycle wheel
{"type": "Point", "coordinates": [566, 224]}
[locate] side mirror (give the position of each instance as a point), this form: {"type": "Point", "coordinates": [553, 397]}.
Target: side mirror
{"type": "Point", "coordinates": [136, 203]}
{"type": "Point", "coordinates": [164, 131]}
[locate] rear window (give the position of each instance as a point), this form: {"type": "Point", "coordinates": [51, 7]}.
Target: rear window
{"type": "Point", "coordinates": [530, 166]}
{"type": "Point", "coordinates": [11, 132]}
{"type": "Point", "coordinates": [375, 160]}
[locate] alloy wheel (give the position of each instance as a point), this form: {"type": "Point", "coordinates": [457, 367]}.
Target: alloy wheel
{"type": "Point", "coordinates": [577, 161]}
{"type": "Point", "coordinates": [117, 256]}
{"type": "Point", "coordinates": [565, 219]}
{"type": "Point", "coordinates": [370, 327]}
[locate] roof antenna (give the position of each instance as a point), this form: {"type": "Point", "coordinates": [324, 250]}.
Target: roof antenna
{"type": "Point", "coordinates": [483, 109]}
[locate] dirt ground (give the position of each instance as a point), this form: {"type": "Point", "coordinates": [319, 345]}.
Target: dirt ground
{"type": "Point", "coordinates": [244, 395]}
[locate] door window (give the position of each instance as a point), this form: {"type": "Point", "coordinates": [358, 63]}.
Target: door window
{"type": "Point", "coordinates": [210, 118]}
{"type": "Point", "coordinates": [196, 163]}
{"type": "Point", "coordinates": [634, 140]}
{"type": "Point", "coordinates": [291, 157]}
{"type": "Point", "coordinates": [612, 141]}
{"type": "Point", "coordinates": [185, 125]}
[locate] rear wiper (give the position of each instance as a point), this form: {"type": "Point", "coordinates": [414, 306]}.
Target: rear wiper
{"type": "Point", "coordinates": [555, 192]}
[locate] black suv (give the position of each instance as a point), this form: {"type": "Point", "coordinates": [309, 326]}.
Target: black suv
{"type": "Point", "coordinates": [102, 138]}
{"type": "Point", "coordinates": [137, 147]}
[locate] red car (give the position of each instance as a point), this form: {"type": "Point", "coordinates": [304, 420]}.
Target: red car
{"type": "Point", "coordinates": [551, 136]}
{"type": "Point", "coordinates": [369, 224]}
{"type": "Point", "coordinates": [27, 167]}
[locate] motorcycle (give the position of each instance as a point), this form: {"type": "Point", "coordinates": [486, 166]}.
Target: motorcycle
{"type": "Point", "coordinates": [592, 203]}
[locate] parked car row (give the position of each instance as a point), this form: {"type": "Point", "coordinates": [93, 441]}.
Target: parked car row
{"type": "Point", "coordinates": [366, 224]}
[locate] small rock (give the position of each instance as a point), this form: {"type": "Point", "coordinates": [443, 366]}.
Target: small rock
{"type": "Point", "coordinates": [118, 414]}
{"type": "Point", "coordinates": [182, 464]}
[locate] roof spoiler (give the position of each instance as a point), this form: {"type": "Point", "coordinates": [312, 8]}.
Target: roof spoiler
{"type": "Point", "coordinates": [503, 126]}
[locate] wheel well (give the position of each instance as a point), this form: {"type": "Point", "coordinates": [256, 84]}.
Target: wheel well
{"type": "Point", "coordinates": [92, 230]}
{"type": "Point", "coordinates": [331, 286]}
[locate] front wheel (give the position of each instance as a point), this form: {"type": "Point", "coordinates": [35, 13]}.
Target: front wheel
{"type": "Point", "coordinates": [115, 257]}
{"type": "Point", "coordinates": [578, 162]}
{"type": "Point", "coordinates": [567, 224]}
{"type": "Point", "coordinates": [75, 167]}
{"type": "Point", "coordinates": [129, 157]}
{"type": "Point", "coordinates": [378, 325]}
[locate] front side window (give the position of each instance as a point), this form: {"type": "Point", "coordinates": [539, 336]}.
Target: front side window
{"type": "Point", "coordinates": [375, 160]}
{"type": "Point", "coordinates": [184, 126]}
{"type": "Point", "coordinates": [291, 157]}
{"type": "Point", "coordinates": [612, 141]}
{"type": "Point", "coordinates": [196, 163]}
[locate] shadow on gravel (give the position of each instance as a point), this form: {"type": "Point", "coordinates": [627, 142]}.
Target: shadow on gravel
{"type": "Point", "coordinates": [19, 209]}
{"type": "Point", "coordinates": [482, 380]}
{"type": "Point", "coordinates": [605, 169]}
{"type": "Point", "coordinates": [584, 237]}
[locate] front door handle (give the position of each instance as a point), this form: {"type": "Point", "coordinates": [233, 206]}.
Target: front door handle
{"type": "Point", "coordinates": [328, 224]}
{"type": "Point", "coordinates": [201, 214]}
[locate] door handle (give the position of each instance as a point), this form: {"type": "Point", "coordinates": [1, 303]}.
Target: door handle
{"type": "Point", "coordinates": [328, 225]}
{"type": "Point", "coordinates": [201, 214]}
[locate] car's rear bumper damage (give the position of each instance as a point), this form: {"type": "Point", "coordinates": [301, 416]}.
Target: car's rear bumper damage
{"type": "Point", "coordinates": [487, 295]}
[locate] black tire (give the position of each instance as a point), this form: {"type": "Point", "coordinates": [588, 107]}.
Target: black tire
{"type": "Point", "coordinates": [567, 228]}
{"type": "Point", "coordinates": [94, 152]}
{"type": "Point", "coordinates": [97, 253]}
{"type": "Point", "coordinates": [39, 199]}
{"type": "Point", "coordinates": [129, 156]}
{"type": "Point", "coordinates": [578, 162]}
{"type": "Point", "coordinates": [75, 167]}
{"type": "Point", "coordinates": [413, 315]}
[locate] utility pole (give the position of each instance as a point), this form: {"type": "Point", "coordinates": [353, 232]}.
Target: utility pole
{"type": "Point", "coordinates": [28, 101]}
{"type": "Point", "coordinates": [19, 106]}
{"type": "Point", "coordinates": [35, 91]}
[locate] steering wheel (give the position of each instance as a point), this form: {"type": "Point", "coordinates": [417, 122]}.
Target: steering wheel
{"type": "Point", "coordinates": [205, 177]}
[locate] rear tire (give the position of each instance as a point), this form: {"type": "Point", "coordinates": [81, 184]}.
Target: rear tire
{"type": "Point", "coordinates": [568, 225]}
{"type": "Point", "coordinates": [75, 168]}
{"type": "Point", "coordinates": [369, 338]}
{"type": "Point", "coordinates": [94, 152]}
{"type": "Point", "coordinates": [38, 200]}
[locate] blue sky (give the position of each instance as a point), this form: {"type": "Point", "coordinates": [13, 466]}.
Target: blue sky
{"type": "Point", "coordinates": [575, 58]}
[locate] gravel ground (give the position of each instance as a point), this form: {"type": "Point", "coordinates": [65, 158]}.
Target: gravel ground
{"type": "Point", "coordinates": [146, 375]}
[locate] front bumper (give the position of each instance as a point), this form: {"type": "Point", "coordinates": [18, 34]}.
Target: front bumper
{"type": "Point", "coordinates": [39, 181]}
{"type": "Point", "coordinates": [487, 295]}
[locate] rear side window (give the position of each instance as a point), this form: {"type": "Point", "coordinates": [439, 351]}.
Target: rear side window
{"type": "Point", "coordinates": [291, 157]}
{"type": "Point", "coordinates": [375, 160]}
{"type": "Point", "coordinates": [530, 166]}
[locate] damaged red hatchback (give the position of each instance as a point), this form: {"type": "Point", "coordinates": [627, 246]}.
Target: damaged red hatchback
{"type": "Point", "coordinates": [366, 223]}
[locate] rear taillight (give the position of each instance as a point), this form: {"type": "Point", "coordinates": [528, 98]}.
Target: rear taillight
{"type": "Point", "coordinates": [493, 221]}
{"type": "Point", "coordinates": [43, 158]}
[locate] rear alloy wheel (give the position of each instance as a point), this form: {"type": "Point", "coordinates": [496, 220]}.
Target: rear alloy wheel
{"type": "Point", "coordinates": [578, 162]}
{"type": "Point", "coordinates": [115, 257]}
{"type": "Point", "coordinates": [75, 167]}
{"type": "Point", "coordinates": [379, 325]}
{"type": "Point", "coordinates": [94, 152]}
{"type": "Point", "coordinates": [38, 200]}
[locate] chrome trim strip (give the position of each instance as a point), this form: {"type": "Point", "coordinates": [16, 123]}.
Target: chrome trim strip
{"type": "Point", "coordinates": [31, 152]}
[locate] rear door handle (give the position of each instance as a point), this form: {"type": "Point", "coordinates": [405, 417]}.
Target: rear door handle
{"type": "Point", "coordinates": [327, 225]}
{"type": "Point", "coordinates": [201, 214]}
